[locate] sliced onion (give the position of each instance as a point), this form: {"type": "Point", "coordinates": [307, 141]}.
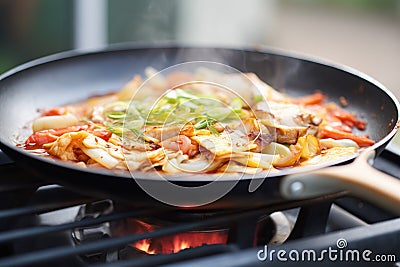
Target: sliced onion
{"type": "Point", "coordinates": [195, 165]}
{"type": "Point", "coordinates": [276, 149]}
{"type": "Point", "coordinates": [330, 142]}
{"type": "Point", "coordinates": [101, 157]}
{"type": "Point", "coordinates": [291, 159]}
{"type": "Point", "coordinates": [233, 167]}
{"type": "Point", "coordinates": [255, 160]}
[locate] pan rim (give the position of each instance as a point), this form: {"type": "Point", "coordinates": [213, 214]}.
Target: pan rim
{"type": "Point", "coordinates": [70, 54]}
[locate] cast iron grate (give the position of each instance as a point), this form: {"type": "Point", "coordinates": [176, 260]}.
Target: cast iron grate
{"type": "Point", "coordinates": [22, 202]}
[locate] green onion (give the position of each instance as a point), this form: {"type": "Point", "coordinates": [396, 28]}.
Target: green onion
{"type": "Point", "coordinates": [176, 107]}
{"type": "Point", "coordinates": [137, 132]}
{"type": "Point", "coordinates": [134, 124]}
{"type": "Point", "coordinates": [115, 130]}
{"type": "Point", "coordinates": [258, 98]}
{"type": "Point", "coordinates": [143, 136]}
{"type": "Point", "coordinates": [206, 123]}
{"type": "Point", "coordinates": [117, 106]}
{"type": "Point", "coordinates": [219, 113]}
{"type": "Point", "coordinates": [201, 124]}
{"type": "Point", "coordinates": [185, 94]}
{"type": "Point", "coordinates": [116, 115]}
{"type": "Point", "coordinates": [213, 130]}
{"type": "Point", "coordinates": [188, 103]}
{"type": "Point", "coordinates": [236, 104]}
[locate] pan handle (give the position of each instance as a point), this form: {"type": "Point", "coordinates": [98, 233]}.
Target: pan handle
{"type": "Point", "coordinates": [359, 178]}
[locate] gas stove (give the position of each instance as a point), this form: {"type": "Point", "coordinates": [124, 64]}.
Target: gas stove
{"type": "Point", "coordinates": [44, 224]}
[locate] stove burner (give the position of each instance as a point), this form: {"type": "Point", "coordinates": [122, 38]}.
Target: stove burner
{"type": "Point", "coordinates": [273, 229]}
{"type": "Point", "coordinates": [93, 210]}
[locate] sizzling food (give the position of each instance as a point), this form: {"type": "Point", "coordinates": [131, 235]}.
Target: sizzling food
{"type": "Point", "coordinates": [182, 123]}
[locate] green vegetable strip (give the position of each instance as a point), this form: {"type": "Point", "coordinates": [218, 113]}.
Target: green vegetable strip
{"type": "Point", "coordinates": [176, 107]}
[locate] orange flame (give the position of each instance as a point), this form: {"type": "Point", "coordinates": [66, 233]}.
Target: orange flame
{"type": "Point", "coordinates": [181, 241]}
{"type": "Point", "coordinates": [144, 245]}
{"type": "Point", "coordinates": [173, 243]}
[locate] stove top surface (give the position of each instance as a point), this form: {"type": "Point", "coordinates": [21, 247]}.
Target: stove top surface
{"type": "Point", "coordinates": [50, 225]}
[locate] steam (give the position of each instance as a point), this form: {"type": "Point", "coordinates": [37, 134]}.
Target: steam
{"type": "Point", "coordinates": [218, 22]}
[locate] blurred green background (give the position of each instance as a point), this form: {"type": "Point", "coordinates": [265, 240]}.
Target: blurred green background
{"type": "Point", "coordinates": [33, 28]}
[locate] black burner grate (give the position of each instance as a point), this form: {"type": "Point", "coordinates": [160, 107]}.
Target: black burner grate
{"type": "Point", "coordinates": [28, 240]}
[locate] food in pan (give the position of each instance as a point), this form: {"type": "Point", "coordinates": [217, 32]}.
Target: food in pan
{"type": "Point", "coordinates": [184, 123]}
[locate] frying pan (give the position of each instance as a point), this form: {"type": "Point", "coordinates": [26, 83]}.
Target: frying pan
{"type": "Point", "coordinates": [73, 76]}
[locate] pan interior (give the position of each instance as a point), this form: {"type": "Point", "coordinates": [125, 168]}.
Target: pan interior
{"type": "Point", "coordinates": [70, 77]}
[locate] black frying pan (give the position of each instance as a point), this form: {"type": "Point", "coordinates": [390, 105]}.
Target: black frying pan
{"type": "Point", "coordinates": [73, 76]}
